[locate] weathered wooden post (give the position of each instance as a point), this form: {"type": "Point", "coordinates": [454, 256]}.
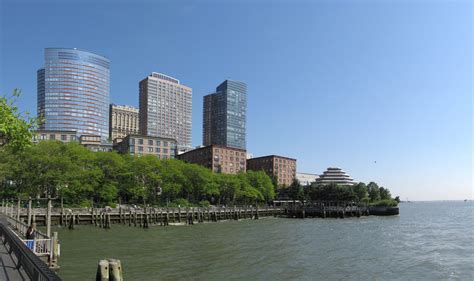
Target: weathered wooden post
{"type": "Point", "coordinates": [108, 220]}
{"type": "Point", "coordinates": [29, 211]}
{"type": "Point", "coordinates": [115, 270]}
{"type": "Point", "coordinates": [120, 214]}
{"type": "Point", "coordinates": [61, 220]}
{"type": "Point", "coordinates": [48, 218]}
{"type": "Point", "coordinates": [33, 215]}
{"type": "Point", "coordinates": [135, 219]}
{"type": "Point", "coordinates": [18, 209]}
{"type": "Point", "coordinates": [102, 271]}
{"type": "Point", "coordinates": [53, 262]}
{"type": "Point", "coordinates": [71, 221]}
{"type": "Point", "coordinates": [256, 210]}
{"type": "Point", "coordinates": [145, 222]}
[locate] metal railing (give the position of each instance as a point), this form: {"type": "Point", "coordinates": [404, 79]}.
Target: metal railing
{"type": "Point", "coordinates": [34, 267]}
{"type": "Point", "coordinates": [42, 245]}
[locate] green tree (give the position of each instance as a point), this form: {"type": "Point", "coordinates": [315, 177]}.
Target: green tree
{"type": "Point", "coordinates": [15, 131]}
{"type": "Point", "coordinates": [374, 191]}
{"type": "Point", "coordinates": [295, 191]}
{"type": "Point", "coordinates": [385, 193]}
{"type": "Point", "coordinates": [262, 183]}
{"type": "Point", "coordinates": [360, 190]}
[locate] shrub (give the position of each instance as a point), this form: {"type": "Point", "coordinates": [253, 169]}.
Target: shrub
{"type": "Point", "coordinates": [180, 202]}
{"type": "Point", "coordinates": [204, 203]}
{"type": "Point", "coordinates": [385, 203]}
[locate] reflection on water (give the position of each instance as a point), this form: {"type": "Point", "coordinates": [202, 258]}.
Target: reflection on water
{"type": "Point", "coordinates": [430, 241]}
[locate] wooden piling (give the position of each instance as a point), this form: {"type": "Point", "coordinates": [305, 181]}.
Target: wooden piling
{"type": "Point", "coordinates": [29, 211]}
{"type": "Point", "coordinates": [48, 217]}
{"type": "Point", "coordinates": [102, 271]}
{"type": "Point", "coordinates": [115, 270]}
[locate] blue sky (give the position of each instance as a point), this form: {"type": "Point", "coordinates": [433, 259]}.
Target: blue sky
{"type": "Point", "coordinates": [331, 83]}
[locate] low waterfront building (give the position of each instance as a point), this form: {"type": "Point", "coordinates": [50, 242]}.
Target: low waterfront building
{"type": "Point", "coordinates": [58, 135]}
{"type": "Point", "coordinates": [123, 121]}
{"type": "Point", "coordinates": [335, 175]}
{"type": "Point", "coordinates": [218, 158]}
{"type": "Point", "coordinates": [306, 178]}
{"type": "Point", "coordinates": [163, 148]}
{"type": "Point", "coordinates": [283, 169]}
{"type": "Point", "coordinates": [95, 143]}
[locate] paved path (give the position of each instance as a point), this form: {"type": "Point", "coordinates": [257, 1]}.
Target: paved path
{"type": "Point", "coordinates": [8, 271]}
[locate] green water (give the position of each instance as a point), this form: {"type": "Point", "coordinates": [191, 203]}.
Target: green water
{"type": "Point", "coordinates": [428, 241]}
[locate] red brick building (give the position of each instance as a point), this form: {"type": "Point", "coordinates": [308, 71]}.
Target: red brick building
{"type": "Point", "coordinates": [218, 158]}
{"type": "Point", "coordinates": [283, 169]}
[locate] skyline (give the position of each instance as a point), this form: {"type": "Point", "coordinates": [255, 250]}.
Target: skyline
{"type": "Point", "coordinates": [400, 95]}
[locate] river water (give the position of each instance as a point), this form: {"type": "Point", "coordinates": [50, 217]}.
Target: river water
{"type": "Point", "coordinates": [428, 241]}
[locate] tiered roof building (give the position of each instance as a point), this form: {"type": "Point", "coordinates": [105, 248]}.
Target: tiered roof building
{"type": "Point", "coordinates": [335, 175]}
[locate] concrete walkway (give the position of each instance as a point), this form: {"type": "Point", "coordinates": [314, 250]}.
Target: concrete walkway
{"type": "Point", "coordinates": [8, 271]}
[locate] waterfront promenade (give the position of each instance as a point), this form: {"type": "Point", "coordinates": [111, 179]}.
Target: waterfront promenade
{"type": "Point", "coordinates": [8, 266]}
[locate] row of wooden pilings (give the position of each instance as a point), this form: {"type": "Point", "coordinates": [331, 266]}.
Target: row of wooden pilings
{"type": "Point", "coordinates": [157, 216]}
{"type": "Point", "coordinates": [325, 210]}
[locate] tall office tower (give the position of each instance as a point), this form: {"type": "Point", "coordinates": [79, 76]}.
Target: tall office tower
{"type": "Point", "coordinates": [123, 121]}
{"type": "Point", "coordinates": [224, 115]}
{"type": "Point", "coordinates": [166, 109]}
{"type": "Point", "coordinates": [73, 92]}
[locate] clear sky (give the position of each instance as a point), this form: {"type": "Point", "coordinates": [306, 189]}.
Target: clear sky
{"type": "Point", "coordinates": [331, 83]}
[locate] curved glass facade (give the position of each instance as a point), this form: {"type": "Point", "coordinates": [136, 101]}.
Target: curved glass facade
{"type": "Point", "coordinates": [74, 92]}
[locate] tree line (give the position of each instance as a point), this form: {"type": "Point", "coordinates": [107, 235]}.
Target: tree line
{"type": "Point", "coordinates": [368, 193]}
{"type": "Point", "coordinates": [82, 177]}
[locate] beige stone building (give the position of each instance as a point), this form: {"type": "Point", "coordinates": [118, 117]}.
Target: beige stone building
{"type": "Point", "coordinates": [163, 148]}
{"type": "Point", "coordinates": [283, 169]}
{"type": "Point", "coordinates": [62, 136]}
{"type": "Point", "coordinates": [218, 158]}
{"type": "Point", "coordinates": [123, 121]}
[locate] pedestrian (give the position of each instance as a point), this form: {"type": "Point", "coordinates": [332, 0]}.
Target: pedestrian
{"type": "Point", "coordinates": [30, 235]}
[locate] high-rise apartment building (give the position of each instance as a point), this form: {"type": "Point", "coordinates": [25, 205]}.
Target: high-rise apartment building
{"type": "Point", "coordinates": [73, 92]}
{"type": "Point", "coordinates": [123, 121]}
{"type": "Point", "coordinates": [224, 115]}
{"type": "Point", "coordinates": [166, 109]}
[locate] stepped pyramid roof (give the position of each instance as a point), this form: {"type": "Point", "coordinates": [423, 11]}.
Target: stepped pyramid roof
{"type": "Point", "coordinates": [335, 175]}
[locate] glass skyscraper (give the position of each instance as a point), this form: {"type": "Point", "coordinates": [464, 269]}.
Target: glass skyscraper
{"type": "Point", "coordinates": [224, 115]}
{"type": "Point", "coordinates": [74, 92]}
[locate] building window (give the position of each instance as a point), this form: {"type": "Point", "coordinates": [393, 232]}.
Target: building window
{"type": "Point", "coordinates": [63, 137]}
{"type": "Point", "coordinates": [73, 138]}
{"type": "Point", "coordinates": [140, 148]}
{"type": "Point", "coordinates": [132, 141]}
{"type": "Point", "coordinates": [158, 149]}
{"type": "Point", "coordinates": [150, 149]}
{"type": "Point", "coordinates": [140, 141]}
{"type": "Point", "coordinates": [150, 142]}
{"type": "Point", "coordinates": [165, 143]}
{"type": "Point", "coordinates": [165, 150]}
{"type": "Point", "coordinates": [43, 136]}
